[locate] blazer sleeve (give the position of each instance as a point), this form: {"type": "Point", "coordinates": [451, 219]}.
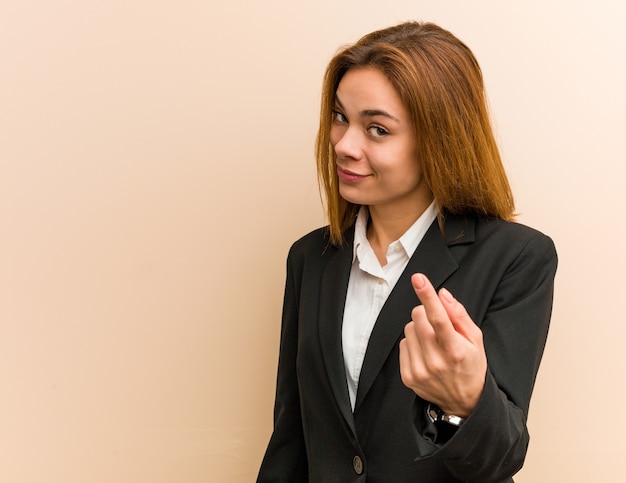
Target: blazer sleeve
{"type": "Point", "coordinates": [491, 445]}
{"type": "Point", "coordinates": [285, 458]}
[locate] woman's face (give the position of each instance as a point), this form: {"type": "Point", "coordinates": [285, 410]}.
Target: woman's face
{"type": "Point", "coordinates": [376, 145]}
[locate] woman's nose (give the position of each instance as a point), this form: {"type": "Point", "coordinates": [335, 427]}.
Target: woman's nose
{"type": "Point", "coordinates": [349, 144]}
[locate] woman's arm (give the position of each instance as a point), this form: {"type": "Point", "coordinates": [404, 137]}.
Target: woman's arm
{"type": "Point", "coordinates": [285, 459]}
{"type": "Point", "coordinates": [491, 443]}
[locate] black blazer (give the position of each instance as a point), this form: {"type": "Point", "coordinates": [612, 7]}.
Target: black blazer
{"type": "Point", "coordinates": [502, 272]}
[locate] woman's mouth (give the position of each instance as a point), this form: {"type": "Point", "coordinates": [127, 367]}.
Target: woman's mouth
{"type": "Point", "coordinates": [349, 176]}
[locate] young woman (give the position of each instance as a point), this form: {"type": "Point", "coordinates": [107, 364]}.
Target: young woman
{"type": "Point", "coordinates": [420, 231]}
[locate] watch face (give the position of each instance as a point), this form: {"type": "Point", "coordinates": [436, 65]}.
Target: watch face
{"type": "Point", "coordinates": [433, 413]}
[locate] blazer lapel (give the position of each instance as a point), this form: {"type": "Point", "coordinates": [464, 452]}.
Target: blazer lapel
{"type": "Point", "coordinates": [432, 258]}
{"type": "Point", "coordinates": [334, 286]}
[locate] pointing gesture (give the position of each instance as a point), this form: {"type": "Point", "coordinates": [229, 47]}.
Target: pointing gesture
{"type": "Point", "coordinates": [442, 357]}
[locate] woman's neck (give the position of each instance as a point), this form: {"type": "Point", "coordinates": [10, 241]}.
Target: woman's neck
{"type": "Point", "coordinates": [386, 226]}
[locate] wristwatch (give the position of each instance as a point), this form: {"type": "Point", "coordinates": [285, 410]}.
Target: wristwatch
{"type": "Point", "coordinates": [436, 415]}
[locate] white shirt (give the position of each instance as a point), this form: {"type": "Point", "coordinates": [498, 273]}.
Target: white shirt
{"type": "Point", "coordinates": [369, 286]}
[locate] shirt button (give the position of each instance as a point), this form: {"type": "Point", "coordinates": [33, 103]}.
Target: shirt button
{"type": "Point", "coordinates": [357, 464]}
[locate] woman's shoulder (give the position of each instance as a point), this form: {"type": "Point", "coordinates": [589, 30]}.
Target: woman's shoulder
{"type": "Point", "coordinates": [513, 236]}
{"type": "Point", "coordinates": [314, 242]}
{"type": "Point", "coordinates": [314, 239]}
{"type": "Point", "coordinates": [317, 243]}
{"type": "Point", "coordinates": [509, 229]}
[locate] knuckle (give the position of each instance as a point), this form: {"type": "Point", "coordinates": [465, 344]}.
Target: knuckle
{"type": "Point", "coordinates": [407, 375]}
{"type": "Point", "coordinates": [409, 381]}
{"type": "Point", "coordinates": [437, 320]}
{"type": "Point", "coordinates": [456, 356]}
{"type": "Point", "coordinates": [436, 367]}
{"type": "Point", "coordinates": [417, 312]}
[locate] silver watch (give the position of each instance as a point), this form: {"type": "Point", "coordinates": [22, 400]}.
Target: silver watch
{"type": "Point", "coordinates": [435, 415]}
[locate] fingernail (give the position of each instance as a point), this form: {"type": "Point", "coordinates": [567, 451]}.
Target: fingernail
{"type": "Point", "coordinates": [419, 280]}
{"type": "Point", "coordinates": [446, 295]}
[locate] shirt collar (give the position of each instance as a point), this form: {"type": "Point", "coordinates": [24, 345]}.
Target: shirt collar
{"type": "Point", "coordinates": [408, 241]}
{"type": "Point", "coordinates": [360, 231]}
{"type": "Point", "coordinates": [413, 236]}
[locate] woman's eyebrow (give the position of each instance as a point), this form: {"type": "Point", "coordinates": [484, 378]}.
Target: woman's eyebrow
{"type": "Point", "coordinates": [369, 112]}
{"type": "Point", "coordinates": [378, 112]}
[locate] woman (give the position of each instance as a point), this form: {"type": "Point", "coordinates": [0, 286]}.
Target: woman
{"type": "Point", "coordinates": [420, 231]}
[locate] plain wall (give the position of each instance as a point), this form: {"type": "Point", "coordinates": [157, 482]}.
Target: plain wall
{"type": "Point", "coordinates": [155, 166]}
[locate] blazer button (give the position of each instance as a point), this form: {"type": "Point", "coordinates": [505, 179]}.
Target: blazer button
{"type": "Point", "coordinates": [357, 464]}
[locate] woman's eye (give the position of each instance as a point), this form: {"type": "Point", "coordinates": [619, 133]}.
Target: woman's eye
{"type": "Point", "coordinates": [339, 117]}
{"type": "Point", "coordinates": [377, 131]}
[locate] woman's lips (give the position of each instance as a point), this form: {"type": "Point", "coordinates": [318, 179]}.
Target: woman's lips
{"type": "Point", "coordinates": [349, 176]}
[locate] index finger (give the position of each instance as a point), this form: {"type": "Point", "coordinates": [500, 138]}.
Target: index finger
{"type": "Point", "coordinates": [435, 311]}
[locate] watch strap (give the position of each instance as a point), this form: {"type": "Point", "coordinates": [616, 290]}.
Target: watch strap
{"type": "Point", "coordinates": [436, 415]}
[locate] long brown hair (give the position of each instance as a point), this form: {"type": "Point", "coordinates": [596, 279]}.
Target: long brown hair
{"type": "Point", "coordinates": [441, 84]}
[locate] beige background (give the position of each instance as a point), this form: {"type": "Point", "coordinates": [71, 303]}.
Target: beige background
{"type": "Point", "coordinates": [156, 164]}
